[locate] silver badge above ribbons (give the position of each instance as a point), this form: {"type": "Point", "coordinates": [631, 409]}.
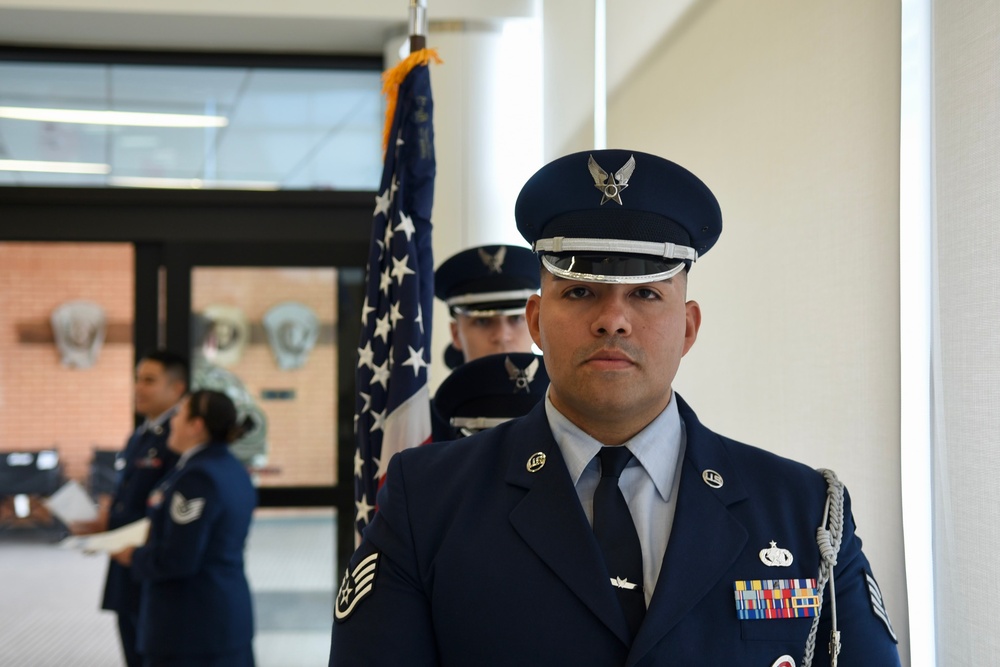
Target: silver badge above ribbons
{"type": "Point", "coordinates": [774, 556]}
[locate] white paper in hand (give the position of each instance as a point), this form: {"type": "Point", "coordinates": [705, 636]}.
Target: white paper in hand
{"type": "Point", "coordinates": [71, 503]}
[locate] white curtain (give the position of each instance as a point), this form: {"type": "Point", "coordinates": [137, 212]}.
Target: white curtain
{"type": "Point", "coordinates": [966, 343]}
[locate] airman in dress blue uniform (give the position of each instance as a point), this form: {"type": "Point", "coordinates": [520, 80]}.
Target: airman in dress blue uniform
{"type": "Point", "coordinates": [160, 382]}
{"type": "Point", "coordinates": [609, 526]}
{"type": "Point", "coordinates": [488, 391]}
{"type": "Point", "coordinates": [196, 606]}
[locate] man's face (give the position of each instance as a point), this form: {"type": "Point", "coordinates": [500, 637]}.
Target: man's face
{"type": "Point", "coordinates": [479, 336]}
{"type": "Point", "coordinates": [156, 391]}
{"type": "Point", "coordinates": [612, 351]}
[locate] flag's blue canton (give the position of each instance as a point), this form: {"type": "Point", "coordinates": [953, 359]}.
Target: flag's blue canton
{"type": "Point", "coordinates": [393, 405]}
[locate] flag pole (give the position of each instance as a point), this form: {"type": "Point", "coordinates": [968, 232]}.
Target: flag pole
{"type": "Point", "coordinates": [418, 25]}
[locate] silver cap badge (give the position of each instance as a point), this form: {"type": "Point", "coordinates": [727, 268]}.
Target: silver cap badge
{"type": "Point", "coordinates": [611, 186]}
{"type": "Point", "coordinates": [494, 262]}
{"type": "Point", "coordinates": [522, 379]}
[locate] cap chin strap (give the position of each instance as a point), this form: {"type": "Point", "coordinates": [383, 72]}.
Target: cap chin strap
{"type": "Point", "coordinates": [489, 297]}
{"type": "Point", "coordinates": [613, 280]}
{"type": "Point", "coordinates": [560, 244]}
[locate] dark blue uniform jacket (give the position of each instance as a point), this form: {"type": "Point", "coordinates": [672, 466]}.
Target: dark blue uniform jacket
{"type": "Point", "coordinates": [196, 600]}
{"type": "Point", "coordinates": [143, 464]}
{"type": "Point", "coordinates": [483, 562]}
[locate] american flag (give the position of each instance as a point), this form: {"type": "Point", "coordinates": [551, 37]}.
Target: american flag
{"type": "Point", "coordinates": [392, 409]}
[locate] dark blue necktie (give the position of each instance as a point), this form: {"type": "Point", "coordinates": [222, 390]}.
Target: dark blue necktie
{"type": "Point", "coordinates": [616, 535]}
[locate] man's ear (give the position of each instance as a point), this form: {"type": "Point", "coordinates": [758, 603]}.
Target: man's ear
{"type": "Point", "coordinates": [454, 335]}
{"type": "Point", "coordinates": [531, 314]}
{"type": "Point", "coordinates": [692, 322]}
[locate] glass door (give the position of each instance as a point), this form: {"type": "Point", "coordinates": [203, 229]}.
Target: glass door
{"type": "Point", "coordinates": [275, 327]}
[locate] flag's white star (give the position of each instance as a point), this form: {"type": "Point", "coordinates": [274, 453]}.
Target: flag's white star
{"type": "Point", "coordinates": [382, 202]}
{"type": "Point", "coordinates": [395, 181]}
{"type": "Point", "coordinates": [385, 280]}
{"type": "Point", "coordinates": [378, 468]}
{"type": "Point", "coordinates": [382, 328]}
{"type": "Point", "coordinates": [368, 401]}
{"type": "Point", "coordinates": [400, 269]}
{"type": "Point", "coordinates": [387, 239]}
{"type": "Point", "coordinates": [395, 314]}
{"type": "Point", "coordinates": [416, 360]}
{"type": "Point", "coordinates": [366, 310]}
{"type": "Point", "coordinates": [358, 463]}
{"type": "Point", "coordinates": [406, 225]}
{"type": "Point", "coordinates": [419, 319]}
{"type": "Point", "coordinates": [381, 374]}
{"type": "Point", "coordinates": [364, 509]}
{"type": "Point", "coordinates": [379, 418]}
{"type": "Point", "coordinates": [366, 355]}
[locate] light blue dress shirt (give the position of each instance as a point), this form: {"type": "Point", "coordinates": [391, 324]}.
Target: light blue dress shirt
{"type": "Point", "coordinates": [649, 482]}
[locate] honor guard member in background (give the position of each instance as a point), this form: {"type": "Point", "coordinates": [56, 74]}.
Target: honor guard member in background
{"type": "Point", "coordinates": [491, 390]}
{"type": "Point", "coordinates": [196, 606]}
{"type": "Point", "coordinates": [609, 526]}
{"type": "Point", "coordinates": [161, 380]}
{"type": "Point", "coordinates": [486, 289]}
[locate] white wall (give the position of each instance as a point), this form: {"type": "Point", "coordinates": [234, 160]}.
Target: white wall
{"type": "Point", "coordinates": [790, 113]}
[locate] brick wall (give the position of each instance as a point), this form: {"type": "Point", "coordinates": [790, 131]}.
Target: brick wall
{"type": "Point", "coordinates": [42, 402]}
{"type": "Point", "coordinates": [301, 431]}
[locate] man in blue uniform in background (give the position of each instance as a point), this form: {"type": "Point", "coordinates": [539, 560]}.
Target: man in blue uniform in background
{"type": "Point", "coordinates": [609, 526]}
{"type": "Point", "coordinates": [161, 379]}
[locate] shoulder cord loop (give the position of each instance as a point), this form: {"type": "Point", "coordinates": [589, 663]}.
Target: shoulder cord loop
{"type": "Point", "coordinates": [828, 540]}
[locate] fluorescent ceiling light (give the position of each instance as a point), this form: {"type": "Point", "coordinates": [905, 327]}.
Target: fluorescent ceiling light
{"type": "Point", "coordinates": [55, 167]}
{"type": "Point", "coordinates": [188, 183]}
{"type": "Point", "coordinates": [97, 117]}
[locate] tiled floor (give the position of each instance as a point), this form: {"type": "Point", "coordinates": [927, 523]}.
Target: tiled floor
{"type": "Point", "coordinates": [49, 597]}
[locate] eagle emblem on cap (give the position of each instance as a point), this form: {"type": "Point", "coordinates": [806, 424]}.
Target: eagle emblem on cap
{"type": "Point", "coordinates": [611, 186]}
{"type": "Point", "coordinates": [522, 379]}
{"type": "Point", "coordinates": [493, 262]}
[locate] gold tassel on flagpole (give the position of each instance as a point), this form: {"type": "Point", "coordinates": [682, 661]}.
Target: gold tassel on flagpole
{"type": "Point", "coordinates": [393, 78]}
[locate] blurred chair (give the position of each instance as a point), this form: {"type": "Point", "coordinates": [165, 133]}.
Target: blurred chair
{"type": "Point", "coordinates": [26, 476]}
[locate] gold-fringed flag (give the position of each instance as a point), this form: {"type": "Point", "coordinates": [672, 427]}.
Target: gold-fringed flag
{"type": "Point", "coordinates": [392, 409]}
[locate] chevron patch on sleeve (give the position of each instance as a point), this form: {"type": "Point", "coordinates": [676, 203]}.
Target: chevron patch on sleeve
{"type": "Point", "coordinates": [878, 604]}
{"type": "Point", "coordinates": [184, 511]}
{"type": "Point", "coordinates": [356, 586]}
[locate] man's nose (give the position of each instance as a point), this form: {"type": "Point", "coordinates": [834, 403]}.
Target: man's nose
{"type": "Point", "coordinates": [611, 317]}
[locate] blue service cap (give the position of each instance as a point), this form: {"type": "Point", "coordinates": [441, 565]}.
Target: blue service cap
{"type": "Point", "coordinates": [617, 216]}
{"type": "Point", "coordinates": [488, 280]}
{"type": "Point", "coordinates": [490, 390]}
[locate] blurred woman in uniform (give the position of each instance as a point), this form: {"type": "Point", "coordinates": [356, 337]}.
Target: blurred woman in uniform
{"type": "Point", "coordinates": [196, 609]}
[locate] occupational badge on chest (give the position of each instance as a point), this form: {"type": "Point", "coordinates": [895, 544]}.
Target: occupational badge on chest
{"type": "Point", "coordinates": [774, 556]}
{"type": "Point", "coordinates": [765, 599]}
{"type": "Point", "coordinates": [357, 584]}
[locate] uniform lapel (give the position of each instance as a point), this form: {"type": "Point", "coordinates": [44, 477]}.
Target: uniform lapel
{"type": "Point", "coordinates": [705, 539]}
{"type": "Point", "coordinates": [551, 521]}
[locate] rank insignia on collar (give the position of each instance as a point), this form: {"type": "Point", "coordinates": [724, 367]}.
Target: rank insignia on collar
{"type": "Point", "coordinates": [776, 598]}
{"type": "Point", "coordinates": [184, 511]}
{"type": "Point", "coordinates": [493, 262]}
{"type": "Point", "coordinates": [356, 586]}
{"type": "Point", "coordinates": [774, 556]}
{"type": "Point", "coordinates": [611, 186]}
{"type": "Point", "coordinates": [522, 378]}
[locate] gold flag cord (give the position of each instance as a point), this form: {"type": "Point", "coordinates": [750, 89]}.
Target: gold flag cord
{"type": "Point", "coordinates": [393, 78]}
